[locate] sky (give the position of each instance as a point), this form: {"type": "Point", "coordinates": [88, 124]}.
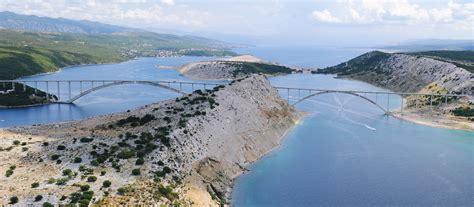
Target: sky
{"type": "Point", "coordinates": [283, 22]}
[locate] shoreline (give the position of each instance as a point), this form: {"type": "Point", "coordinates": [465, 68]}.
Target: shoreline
{"type": "Point", "coordinates": [427, 120]}
{"type": "Point", "coordinates": [245, 169]}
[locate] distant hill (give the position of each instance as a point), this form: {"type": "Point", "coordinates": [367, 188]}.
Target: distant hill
{"type": "Point", "coordinates": [411, 72]}
{"type": "Point", "coordinates": [32, 23]}
{"type": "Point", "coordinates": [30, 44]}
{"type": "Point", "coordinates": [431, 44]}
{"type": "Point", "coordinates": [10, 20]}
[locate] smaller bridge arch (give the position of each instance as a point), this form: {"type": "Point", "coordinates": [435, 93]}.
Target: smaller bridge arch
{"type": "Point", "coordinates": [115, 83]}
{"type": "Point", "coordinates": [386, 111]}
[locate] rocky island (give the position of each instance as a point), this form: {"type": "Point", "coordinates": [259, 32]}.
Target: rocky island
{"type": "Point", "coordinates": [232, 68]}
{"type": "Point", "coordinates": [182, 151]}
{"type": "Point", "coordinates": [427, 72]}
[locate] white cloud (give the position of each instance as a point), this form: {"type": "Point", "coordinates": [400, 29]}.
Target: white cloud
{"type": "Point", "coordinates": [396, 12]}
{"type": "Point", "coordinates": [124, 12]}
{"type": "Point", "coordinates": [325, 16]}
{"type": "Point", "coordinates": [168, 2]}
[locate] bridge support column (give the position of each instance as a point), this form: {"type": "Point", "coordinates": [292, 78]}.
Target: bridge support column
{"type": "Point", "coordinates": [376, 97]}
{"type": "Point", "coordinates": [24, 86]}
{"type": "Point", "coordinates": [192, 87]}
{"type": "Point", "coordinates": [13, 86]}
{"type": "Point", "coordinates": [181, 87]}
{"type": "Point", "coordinates": [388, 102]}
{"type": "Point", "coordinates": [401, 108]}
{"type": "Point", "coordinates": [59, 91]}
{"type": "Point", "coordinates": [288, 95]}
{"type": "Point", "coordinates": [431, 102]}
{"type": "Point", "coordinates": [47, 91]}
{"type": "Point", "coordinates": [80, 86]}
{"type": "Point", "coordinates": [36, 87]}
{"type": "Point", "coordinates": [69, 88]}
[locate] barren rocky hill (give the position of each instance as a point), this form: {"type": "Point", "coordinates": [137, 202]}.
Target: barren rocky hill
{"type": "Point", "coordinates": [418, 73]}
{"type": "Point", "coordinates": [183, 151]}
{"type": "Point", "coordinates": [233, 68]}
{"type": "Point", "coordinates": [405, 73]}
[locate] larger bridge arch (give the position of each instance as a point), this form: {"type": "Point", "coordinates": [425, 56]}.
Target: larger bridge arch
{"type": "Point", "coordinates": [386, 111]}
{"type": "Point", "coordinates": [115, 83]}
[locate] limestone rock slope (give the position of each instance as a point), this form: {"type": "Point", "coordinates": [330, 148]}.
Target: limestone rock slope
{"type": "Point", "coordinates": [404, 72]}
{"type": "Point", "coordinates": [183, 151]}
{"type": "Point", "coordinates": [233, 68]}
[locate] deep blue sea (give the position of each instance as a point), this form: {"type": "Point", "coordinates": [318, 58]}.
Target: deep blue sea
{"type": "Point", "coordinates": [344, 153]}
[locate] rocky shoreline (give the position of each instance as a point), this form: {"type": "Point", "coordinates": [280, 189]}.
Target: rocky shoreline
{"type": "Point", "coordinates": [183, 151]}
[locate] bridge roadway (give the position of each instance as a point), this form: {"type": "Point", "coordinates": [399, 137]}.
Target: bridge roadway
{"type": "Point", "coordinates": [84, 87]}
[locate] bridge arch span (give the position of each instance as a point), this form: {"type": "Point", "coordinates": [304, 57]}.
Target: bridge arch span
{"type": "Point", "coordinates": [115, 83]}
{"type": "Point", "coordinates": [386, 111]}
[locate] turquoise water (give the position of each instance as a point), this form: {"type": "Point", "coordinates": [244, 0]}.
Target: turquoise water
{"type": "Point", "coordinates": [344, 153]}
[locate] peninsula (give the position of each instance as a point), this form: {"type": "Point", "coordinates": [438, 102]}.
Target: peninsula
{"type": "Point", "coordinates": [182, 151]}
{"type": "Point", "coordinates": [437, 72]}
{"type": "Point", "coordinates": [232, 68]}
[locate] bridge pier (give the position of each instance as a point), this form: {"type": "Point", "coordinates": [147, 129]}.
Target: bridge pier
{"type": "Point", "coordinates": [47, 91]}
{"type": "Point", "coordinates": [69, 88]}
{"type": "Point", "coordinates": [59, 91]}
{"type": "Point", "coordinates": [388, 102]}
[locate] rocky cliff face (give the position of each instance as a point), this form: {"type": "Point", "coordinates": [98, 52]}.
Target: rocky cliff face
{"type": "Point", "coordinates": [182, 151]}
{"type": "Point", "coordinates": [405, 73]}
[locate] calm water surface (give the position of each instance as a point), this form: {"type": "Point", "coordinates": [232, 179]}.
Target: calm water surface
{"type": "Point", "coordinates": [345, 153]}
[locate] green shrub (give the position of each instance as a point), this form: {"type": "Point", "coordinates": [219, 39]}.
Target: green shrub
{"type": "Point", "coordinates": [9, 172]}
{"type": "Point", "coordinates": [47, 204]}
{"type": "Point", "coordinates": [463, 111]}
{"type": "Point", "coordinates": [13, 200]}
{"type": "Point", "coordinates": [51, 180]}
{"type": "Point", "coordinates": [75, 197]}
{"type": "Point", "coordinates": [167, 169]}
{"type": "Point", "coordinates": [106, 184]}
{"type": "Point", "coordinates": [140, 161]}
{"type": "Point", "coordinates": [161, 163]}
{"type": "Point", "coordinates": [61, 147]}
{"type": "Point", "coordinates": [55, 157]}
{"type": "Point", "coordinates": [85, 187]}
{"type": "Point", "coordinates": [95, 162]}
{"type": "Point", "coordinates": [102, 173]}
{"type": "Point", "coordinates": [126, 154]}
{"type": "Point", "coordinates": [77, 160]}
{"type": "Point", "coordinates": [16, 142]}
{"type": "Point", "coordinates": [45, 144]}
{"type": "Point", "coordinates": [38, 198]}
{"type": "Point", "coordinates": [62, 181]}
{"type": "Point", "coordinates": [86, 140]}
{"type": "Point", "coordinates": [67, 172]}
{"type": "Point", "coordinates": [91, 179]}
{"type": "Point", "coordinates": [35, 185]}
{"type": "Point", "coordinates": [136, 172]}
{"type": "Point", "coordinates": [121, 191]}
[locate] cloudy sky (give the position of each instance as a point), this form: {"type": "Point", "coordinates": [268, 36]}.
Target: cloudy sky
{"type": "Point", "coordinates": [316, 22]}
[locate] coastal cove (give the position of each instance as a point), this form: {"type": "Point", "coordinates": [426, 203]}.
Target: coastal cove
{"type": "Point", "coordinates": [345, 143]}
